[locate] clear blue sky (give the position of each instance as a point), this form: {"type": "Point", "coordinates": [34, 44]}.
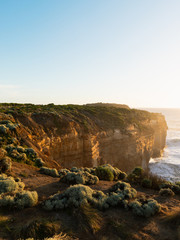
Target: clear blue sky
{"type": "Point", "coordinates": [80, 51]}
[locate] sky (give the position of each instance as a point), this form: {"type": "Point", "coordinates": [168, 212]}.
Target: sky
{"type": "Point", "coordinates": [85, 51]}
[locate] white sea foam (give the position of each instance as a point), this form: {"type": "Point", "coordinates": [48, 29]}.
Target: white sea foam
{"type": "Point", "coordinates": [168, 166]}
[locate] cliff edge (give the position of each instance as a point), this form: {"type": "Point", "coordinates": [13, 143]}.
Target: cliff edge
{"type": "Point", "coordinates": [88, 135]}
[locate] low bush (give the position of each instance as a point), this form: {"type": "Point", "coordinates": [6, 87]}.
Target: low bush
{"type": "Point", "coordinates": [5, 122]}
{"type": "Point", "coordinates": [79, 178]}
{"type": "Point", "coordinates": [63, 172]}
{"type": "Point", "coordinates": [3, 129]}
{"type": "Point", "coordinates": [49, 171]}
{"type": "Point", "coordinates": [146, 183]}
{"type": "Point", "coordinates": [104, 173]}
{"type": "Point", "coordinates": [156, 180]}
{"type": "Point", "coordinates": [9, 184]}
{"type": "Point", "coordinates": [173, 186]}
{"type": "Point", "coordinates": [12, 194]}
{"type": "Point", "coordinates": [31, 152]}
{"type": "Point", "coordinates": [12, 126]}
{"type": "Point", "coordinates": [167, 192]}
{"type": "Point", "coordinates": [118, 195]}
{"type": "Point", "coordinates": [145, 208]}
{"type": "Point", "coordinates": [109, 173]}
{"type": "Point", "coordinates": [7, 125]}
{"type": "Point", "coordinates": [145, 178]}
{"type": "Point", "coordinates": [21, 154]}
{"type": "Point", "coordinates": [19, 200]}
{"type": "Point", "coordinates": [3, 153]}
{"type": "Point", "coordinates": [5, 164]}
{"type": "Point", "coordinates": [20, 149]}
{"type": "Point", "coordinates": [124, 189]}
{"type": "Point", "coordinates": [89, 176]}
{"type": "Point", "coordinates": [77, 195]}
{"type": "Point", "coordinates": [138, 171]}
{"type": "Point", "coordinates": [177, 183]}
{"type": "Point", "coordinates": [39, 162]}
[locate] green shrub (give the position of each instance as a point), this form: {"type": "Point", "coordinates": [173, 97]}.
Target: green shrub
{"type": "Point", "coordinates": [21, 154]}
{"type": "Point", "coordinates": [74, 169]}
{"type": "Point", "coordinates": [147, 183]}
{"type": "Point", "coordinates": [136, 176]}
{"type": "Point", "coordinates": [104, 173]}
{"type": "Point", "coordinates": [19, 200]}
{"type": "Point", "coordinates": [132, 178]}
{"type": "Point", "coordinates": [49, 171]}
{"type": "Point", "coordinates": [12, 126]}
{"type": "Point", "coordinates": [145, 178]}
{"type": "Point", "coordinates": [7, 125]}
{"type": "Point", "coordinates": [109, 173]}
{"type": "Point", "coordinates": [177, 183]}
{"type": "Point", "coordinates": [74, 196]}
{"type": "Point", "coordinates": [39, 162]}
{"type": "Point", "coordinates": [20, 149]}
{"type": "Point", "coordinates": [91, 175]}
{"type": "Point", "coordinates": [21, 157]}
{"type": "Point", "coordinates": [156, 180]}
{"type": "Point", "coordinates": [77, 195]}
{"type": "Point", "coordinates": [145, 208]}
{"type": "Point", "coordinates": [79, 178]}
{"type": "Point", "coordinates": [5, 164]}
{"type": "Point", "coordinates": [89, 170]}
{"type": "Point", "coordinates": [167, 192]}
{"type": "Point", "coordinates": [3, 153]}
{"type": "Point", "coordinates": [5, 122]}
{"type": "Point", "coordinates": [12, 194]}
{"type": "Point", "coordinates": [166, 184]}
{"type": "Point", "coordinates": [10, 148]}
{"type": "Point", "coordinates": [122, 176]}
{"type": "Point", "coordinates": [138, 171]}
{"type": "Point", "coordinates": [25, 199]}
{"type": "Point", "coordinates": [9, 184]}
{"type": "Point", "coordinates": [124, 190]}
{"type": "Point", "coordinates": [63, 172]}
{"type": "Point", "coordinates": [3, 129]}
{"type": "Point", "coordinates": [174, 187]}
{"type": "Point", "coordinates": [31, 152]}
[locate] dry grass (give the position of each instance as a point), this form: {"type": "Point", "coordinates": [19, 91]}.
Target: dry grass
{"type": "Point", "coordinates": [156, 180]}
{"type": "Point", "coordinates": [38, 229]}
{"type": "Point", "coordinates": [88, 219]}
{"type": "Point", "coordinates": [172, 219]}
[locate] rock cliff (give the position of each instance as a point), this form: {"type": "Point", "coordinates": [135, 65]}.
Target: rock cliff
{"type": "Point", "coordinates": [73, 135]}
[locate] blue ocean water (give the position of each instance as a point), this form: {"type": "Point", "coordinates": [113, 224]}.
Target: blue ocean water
{"type": "Point", "coordinates": [168, 166]}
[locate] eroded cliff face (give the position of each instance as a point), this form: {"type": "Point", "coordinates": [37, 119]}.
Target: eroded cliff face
{"type": "Point", "coordinates": [64, 142]}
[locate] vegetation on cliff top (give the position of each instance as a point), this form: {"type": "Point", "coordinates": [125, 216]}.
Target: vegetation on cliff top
{"type": "Point", "coordinates": [90, 116]}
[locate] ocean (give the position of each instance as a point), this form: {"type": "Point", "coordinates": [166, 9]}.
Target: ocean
{"type": "Point", "coordinates": [168, 166]}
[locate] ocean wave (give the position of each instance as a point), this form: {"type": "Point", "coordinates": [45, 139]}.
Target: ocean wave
{"type": "Point", "coordinates": [168, 166]}
{"type": "Point", "coordinates": [173, 141]}
{"type": "Point", "coordinates": [168, 171]}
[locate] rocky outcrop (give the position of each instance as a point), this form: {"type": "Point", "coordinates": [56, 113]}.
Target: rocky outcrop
{"type": "Point", "coordinates": [83, 138]}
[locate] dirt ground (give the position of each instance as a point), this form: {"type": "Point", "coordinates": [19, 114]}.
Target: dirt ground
{"type": "Point", "coordinates": [153, 228]}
